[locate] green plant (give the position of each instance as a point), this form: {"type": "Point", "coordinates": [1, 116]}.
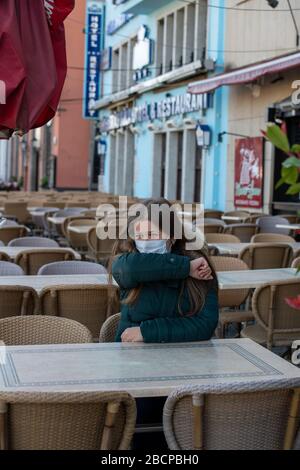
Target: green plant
{"type": "Point", "coordinates": [21, 182]}
{"type": "Point", "coordinates": [290, 172]}
{"type": "Point", "coordinates": [45, 182]}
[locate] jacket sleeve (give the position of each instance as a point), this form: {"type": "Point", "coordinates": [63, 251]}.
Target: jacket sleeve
{"type": "Point", "coordinates": [131, 269]}
{"type": "Point", "coordinates": [200, 327]}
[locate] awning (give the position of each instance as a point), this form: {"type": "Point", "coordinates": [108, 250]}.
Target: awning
{"type": "Point", "coordinates": [33, 62]}
{"type": "Point", "coordinates": [246, 74]}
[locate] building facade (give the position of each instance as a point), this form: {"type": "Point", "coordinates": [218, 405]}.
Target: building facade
{"type": "Point", "coordinates": [147, 119]}
{"type": "Point", "coordinates": [250, 104]}
{"type": "Point", "coordinates": [262, 68]}
{"type": "Point", "coordinates": [58, 155]}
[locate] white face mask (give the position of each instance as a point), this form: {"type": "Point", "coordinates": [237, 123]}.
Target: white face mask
{"type": "Point", "coordinates": [152, 246]}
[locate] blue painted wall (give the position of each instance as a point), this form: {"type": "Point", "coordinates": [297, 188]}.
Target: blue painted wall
{"type": "Point", "coordinates": [216, 118]}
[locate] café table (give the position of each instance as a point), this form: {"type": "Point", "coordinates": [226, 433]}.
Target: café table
{"type": "Point", "coordinates": [251, 279]}
{"type": "Point", "coordinates": [234, 249]}
{"type": "Point", "coordinates": [232, 218]}
{"type": "Point", "coordinates": [14, 251]}
{"type": "Point", "coordinates": [56, 220]}
{"type": "Point", "coordinates": [144, 370]}
{"type": "Point", "coordinates": [81, 229]}
{"type": "Point", "coordinates": [41, 211]}
{"type": "Point", "coordinates": [38, 283]}
{"type": "Point", "coordinates": [289, 226]}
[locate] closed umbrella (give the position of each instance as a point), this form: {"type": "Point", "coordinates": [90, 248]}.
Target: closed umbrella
{"type": "Point", "coordinates": [33, 61]}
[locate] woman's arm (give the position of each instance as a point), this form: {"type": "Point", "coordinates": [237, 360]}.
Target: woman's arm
{"type": "Point", "coordinates": [131, 269]}
{"type": "Point", "coordinates": [200, 327]}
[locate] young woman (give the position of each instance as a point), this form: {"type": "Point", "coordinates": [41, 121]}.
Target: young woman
{"type": "Point", "coordinates": [168, 293]}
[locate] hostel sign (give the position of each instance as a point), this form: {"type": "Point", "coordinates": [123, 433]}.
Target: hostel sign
{"type": "Point", "coordinates": [164, 109]}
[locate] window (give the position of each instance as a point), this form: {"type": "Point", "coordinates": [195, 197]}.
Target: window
{"type": "Point", "coordinates": [115, 69]}
{"type": "Point", "coordinates": [122, 63]}
{"type": "Point", "coordinates": [181, 37]}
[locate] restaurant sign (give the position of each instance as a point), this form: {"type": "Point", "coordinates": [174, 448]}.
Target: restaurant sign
{"type": "Point", "coordinates": [164, 109]}
{"type": "Point", "coordinates": [93, 46]}
{"type": "Point", "coordinates": [248, 186]}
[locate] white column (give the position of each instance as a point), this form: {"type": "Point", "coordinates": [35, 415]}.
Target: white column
{"type": "Point", "coordinates": [200, 28]}
{"type": "Point", "coordinates": [157, 165]}
{"type": "Point", "coordinates": [188, 165]}
{"type": "Point", "coordinates": [128, 173]}
{"type": "Point", "coordinates": [119, 164]}
{"type": "Point", "coordinates": [171, 165]}
{"type": "Point", "coordinates": [112, 163]}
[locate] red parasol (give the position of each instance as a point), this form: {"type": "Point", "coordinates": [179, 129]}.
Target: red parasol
{"type": "Point", "coordinates": [33, 62]}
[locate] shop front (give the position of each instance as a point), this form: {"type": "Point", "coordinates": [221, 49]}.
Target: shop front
{"type": "Point", "coordinates": [258, 94]}
{"type": "Point", "coordinates": [158, 145]}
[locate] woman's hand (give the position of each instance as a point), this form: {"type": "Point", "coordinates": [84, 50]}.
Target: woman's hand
{"type": "Point", "coordinates": [200, 269]}
{"type": "Point", "coordinates": [132, 335]}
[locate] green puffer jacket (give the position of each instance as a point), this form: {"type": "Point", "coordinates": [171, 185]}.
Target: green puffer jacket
{"type": "Point", "coordinates": [156, 309]}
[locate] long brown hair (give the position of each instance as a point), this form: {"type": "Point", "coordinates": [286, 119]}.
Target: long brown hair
{"type": "Point", "coordinates": [197, 290]}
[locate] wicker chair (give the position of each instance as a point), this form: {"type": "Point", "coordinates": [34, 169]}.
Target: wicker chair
{"type": "Point", "coordinates": [9, 233]}
{"type": "Point", "coordinates": [4, 257]}
{"type": "Point", "coordinates": [69, 219]}
{"type": "Point", "coordinates": [109, 329]}
{"type": "Point", "coordinates": [18, 210]}
{"type": "Point", "coordinates": [253, 218]}
{"type": "Point", "coordinates": [71, 267]}
{"type": "Point", "coordinates": [90, 305]}
{"type": "Point", "coordinates": [267, 256]}
{"type": "Point", "coordinates": [292, 218]}
{"type": "Point", "coordinates": [232, 417]}
{"type": "Point", "coordinates": [40, 329]}
{"type": "Point", "coordinates": [296, 263]}
{"type": "Point", "coordinates": [268, 225]}
{"type": "Point", "coordinates": [243, 231]}
{"type": "Point", "coordinates": [278, 324]}
{"type": "Point", "coordinates": [83, 205]}
{"type": "Point", "coordinates": [212, 213]}
{"type": "Point", "coordinates": [34, 242]}
{"type": "Point", "coordinates": [32, 261]}
{"type": "Point", "coordinates": [18, 300]}
{"type": "Point", "coordinates": [242, 215]}
{"type": "Point", "coordinates": [221, 238]}
{"type": "Point", "coordinates": [67, 421]}
{"type": "Point", "coordinates": [232, 299]}
{"type": "Point", "coordinates": [99, 250]}
{"type": "Point", "coordinates": [213, 228]}
{"type": "Point", "coordinates": [10, 269]}
{"type": "Point", "coordinates": [271, 238]}
{"type": "Point", "coordinates": [78, 241]}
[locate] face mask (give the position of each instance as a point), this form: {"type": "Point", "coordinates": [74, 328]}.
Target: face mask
{"type": "Point", "coordinates": [152, 246]}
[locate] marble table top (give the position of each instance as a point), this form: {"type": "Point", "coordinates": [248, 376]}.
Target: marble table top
{"type": "Point", "coordinates": [251, 279]}
{"type": "Point", "coordinates": [13, 251]}
{"type": "Point", "coordinates": [56, 220]}
{"type": "Point", "coordinates": [234, 249]}
{"type": "Point", "coordinates": [143, 370]}
{"type": "Point", "coordinates": [289, 226]}
{"type": "Point", "coordinates": [40, 282]}
{"type": "Point", "coordinates": [81, 229]}
{"type": "Point", "coordinates": [42, 211]}
{"type": "Point", "coordinates": [232, 218]}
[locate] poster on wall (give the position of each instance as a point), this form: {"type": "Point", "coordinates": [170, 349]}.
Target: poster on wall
{"type": "Point", "coordinates": [248, 181]}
